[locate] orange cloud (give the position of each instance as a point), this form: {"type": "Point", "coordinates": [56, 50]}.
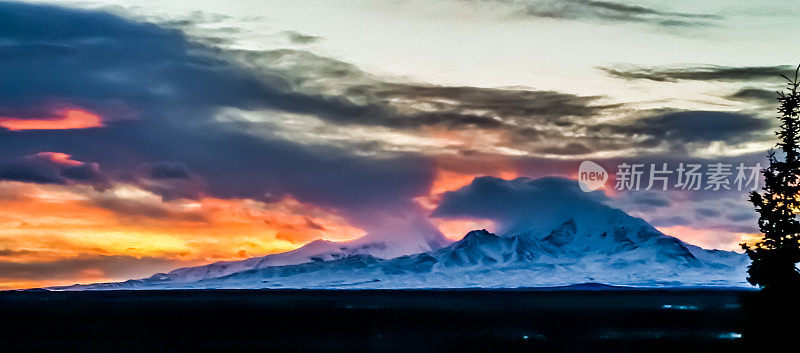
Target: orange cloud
{"type": "Point", "coordinates": [59, 158]}
{"type": "Point", "coordinates": [67, 119]}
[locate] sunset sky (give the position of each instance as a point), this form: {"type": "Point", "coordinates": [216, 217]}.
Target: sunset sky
{"type": "Point", "coordinates": [140, 136]}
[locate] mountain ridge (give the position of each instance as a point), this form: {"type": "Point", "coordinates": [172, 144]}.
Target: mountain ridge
{"type": "Point", "coordinates": [558, 237]}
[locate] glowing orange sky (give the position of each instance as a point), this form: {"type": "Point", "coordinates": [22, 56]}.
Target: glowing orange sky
{"type": "Point", "coordinates": [42, 223]}
{"type": "Point", "coordinates": [67, 119]}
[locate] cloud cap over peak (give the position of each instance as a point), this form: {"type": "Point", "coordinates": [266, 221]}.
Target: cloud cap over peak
{"type": "Point", "coordinates": [523, 204]}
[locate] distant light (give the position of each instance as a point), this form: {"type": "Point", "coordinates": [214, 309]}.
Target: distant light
{"type": "Point", "coordinates": [730, 336]}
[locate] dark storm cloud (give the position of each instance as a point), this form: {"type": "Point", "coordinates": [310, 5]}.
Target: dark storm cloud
{"type": "Point", "coordinates": [525, 117]}
{"type": "Point", "coordinates": [520, 116]}
{"type": "Point", "coordinates": [393, 104]}
{"type": "Point", "coordinates": [703, 73]}
{"type": "Point", "coordinates": [167, 170]}
{"type": "Point", "coordinates": [158, 94]}
{"type": "Point", "coordinates": [42, 168]}
{"type": "Point", "coordinates": [708, 212]}
{"type": "Point", "coordinates": [454, 104]}
{"type": "Point", "coordinates": [662, 131]}
{"type": "Point", "coordinates": [612, 12]}
{"type": "Point", "coordinates": [239, 165]}
{"type": "Point", "coordinates": [697, 126]}
{"type": "Point", "coordinates": [755, 95]}
{"type": "Point", "coordinates": [568, 149]}
{"type": "Point", "coordinates": [30, 173]}
{"type": "Point", "coordinates": [114, 67]}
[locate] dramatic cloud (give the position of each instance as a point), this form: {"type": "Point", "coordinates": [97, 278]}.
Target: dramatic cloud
{"type": "Point", "coordinates": [703, 73]}
{"type": "Point", "coordinates": [160, 95]}
{"type": "Point", "coordinates": [698, 126]}
{"type": "Point", "coordinates": [165, 98]}
{"type": "Point", "coordinates": [755, 95]}
{"type": "Point", "coordinates": [53, 168]}
{"type": "Point", "coordinates": [511, 121]}
{"type": "Point", "coordinates": [291, 105]}
{"type": "Point", "coordinates": [411, 105]}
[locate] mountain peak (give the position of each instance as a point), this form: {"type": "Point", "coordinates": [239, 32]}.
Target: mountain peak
{"type": "Point", "coordinates": [479, 233]}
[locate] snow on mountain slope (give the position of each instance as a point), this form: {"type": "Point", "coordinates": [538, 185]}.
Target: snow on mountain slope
{"type": "Point", "coordinates": [482, 259]}
{"type": "Point", "coordinates": [316, 251]}
{"type": "Point", "coordinates": [559, 237]}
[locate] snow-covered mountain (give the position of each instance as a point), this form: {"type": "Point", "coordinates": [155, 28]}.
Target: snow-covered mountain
{"type": "Point", "coordinates": [374, 245]}
{"type": "Point", "coordinates": [567, 238]}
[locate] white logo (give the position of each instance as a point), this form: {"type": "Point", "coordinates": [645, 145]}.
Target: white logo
{"type": "Point", "coordinates": [591, 176]}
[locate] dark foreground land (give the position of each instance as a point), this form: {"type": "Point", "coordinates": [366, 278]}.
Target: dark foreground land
{"type": "Point", "coordinates": [374, 321]}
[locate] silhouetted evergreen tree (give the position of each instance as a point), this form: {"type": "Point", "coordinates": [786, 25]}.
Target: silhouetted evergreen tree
{"type": "Point", "coordinates": [774, 257]}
